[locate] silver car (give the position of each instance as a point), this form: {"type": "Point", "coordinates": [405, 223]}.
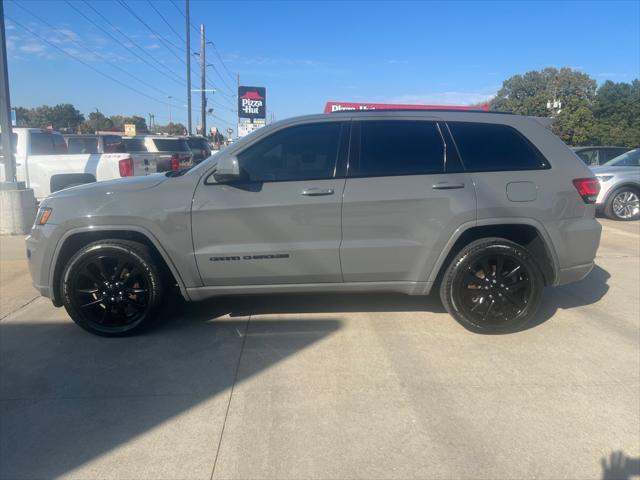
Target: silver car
{"type": "Point", "coordinates": [485, 209]}
{"type": "Point", "coordinates": [619, 196]}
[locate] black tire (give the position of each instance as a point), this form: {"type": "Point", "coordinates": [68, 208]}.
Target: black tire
{"type": "Point", "coordinates": [512, 290]}
{"type": "Point", "coordinates": [625, 211]}
{"type": "Point", "coordinates": [111, 287]}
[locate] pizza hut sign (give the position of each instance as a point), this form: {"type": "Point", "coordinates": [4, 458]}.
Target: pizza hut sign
{"type": "Point", "coordinates": [252, 102]}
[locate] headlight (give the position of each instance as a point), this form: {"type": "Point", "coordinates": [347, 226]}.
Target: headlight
{"type": "Point", "coordinates": [43, 215]}
{"type": "Point", "coordinates": [604, 178]}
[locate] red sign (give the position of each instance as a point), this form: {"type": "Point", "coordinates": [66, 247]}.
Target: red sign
{"type": "Point", "coordinates": [350, 106]}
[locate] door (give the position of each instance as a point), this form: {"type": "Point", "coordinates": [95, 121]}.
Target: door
{"type": "Point", "coordinates": [281, 223]}
{"type": "Point", "coordinates": [404, 197]}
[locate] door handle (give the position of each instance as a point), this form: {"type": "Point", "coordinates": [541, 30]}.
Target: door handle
{"type": "Point", "coordinates": [447, 186]}
{"type": "Point", "coordinates": [317, 192]}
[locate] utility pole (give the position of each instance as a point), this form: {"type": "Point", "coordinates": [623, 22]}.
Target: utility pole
{"type": "Point", "coordinates": [169, 97]}
{"type": "Point", "coordinates": [203, 83]}
{"type": "Point", "coordinates": [5, 109]}
{"type": "Point", "coordinates": [17, 203]}
{"type": "Point", "coordinates": [188, 67]}
{"type": "Point", "coordinates": [238, 104]}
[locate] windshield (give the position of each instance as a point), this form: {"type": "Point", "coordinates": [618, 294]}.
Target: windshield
{"type": "Point", "coordinates": [629, 159]}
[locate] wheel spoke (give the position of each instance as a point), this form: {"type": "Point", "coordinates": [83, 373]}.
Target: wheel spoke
{"type": "Point", "coordinates": [87, 291]}
{"type": "Point", "coordinates": [134, 304]}
{"type": "Point", "coordinates": [136, 290]}
{"type": "Point", "coordinates": [512, 273]}
{"type": "Point", "coordinates": [95, 302]}
{"type": "Point", "coordinates": [486, 314]}
{"type": "Point", "coordinates": [499, 266]}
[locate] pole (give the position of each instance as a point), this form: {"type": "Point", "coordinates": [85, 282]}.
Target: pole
{"type": "Point", "coordinates": [203, 87]}
{"type": "Point", "coordinates": [238, 104]}
{"type": "Point", "coordinates": [188, 67]}
{"type": "Point", "coordinates": [5, 108]}
{"type": "Point", "coordinates": [169, 97]}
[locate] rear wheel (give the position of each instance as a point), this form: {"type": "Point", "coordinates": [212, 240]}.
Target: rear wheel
{"type": "Point", "coordinates": [623, 204]}
{"type": "Point", "coordinates": [111, 287]}
{"type": "Point", "coordinates": [492, 286]}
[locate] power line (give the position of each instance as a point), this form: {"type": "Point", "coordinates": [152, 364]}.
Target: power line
{"type": "Point", "coordinates": [173, 78]}
{"type": "Point", "coordinates": [156, 34]}
{"type": "Point", "coordinates": [195, 29]}
{"type": "Point", "coordinates": [76, 58]}
{"type": "Point", "coordinates": [97, 54]}
{"type": "Point", "coordinates": [166, 22]}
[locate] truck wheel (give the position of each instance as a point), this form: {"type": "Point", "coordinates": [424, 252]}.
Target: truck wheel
{"type": "Point", "coordinates": [111, 287]}
{"type": "Point", "coordinates": [492, 286]}
{"type": "Point", "coordinates": [623, 204]}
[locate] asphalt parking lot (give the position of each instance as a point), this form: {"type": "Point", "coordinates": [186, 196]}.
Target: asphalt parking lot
{"type": "Point", "coordinates": [327, 386]}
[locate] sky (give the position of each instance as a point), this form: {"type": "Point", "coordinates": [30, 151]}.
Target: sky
{"type": "Point", "coordinates": [304, 52]}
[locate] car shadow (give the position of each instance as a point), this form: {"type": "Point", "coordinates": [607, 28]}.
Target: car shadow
{"type": "Point", "coordinates": [620, 467]}
{"type": "Point", "coordinates": [68, 397]}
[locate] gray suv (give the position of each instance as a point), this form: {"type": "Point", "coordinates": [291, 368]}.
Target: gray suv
{"type": "Point", "coordinates": [487, 209]}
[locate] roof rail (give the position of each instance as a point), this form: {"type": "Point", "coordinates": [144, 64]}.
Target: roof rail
{"type": "Point", "coordinates": [422, 110]}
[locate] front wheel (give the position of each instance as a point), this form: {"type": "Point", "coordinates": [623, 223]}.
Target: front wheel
{"type": "Point", "coordinates": [623, 204]}
{"type": "Point", "coordinates": [111, 287]}
{"type": "Point", "coordinates": [492, 286]}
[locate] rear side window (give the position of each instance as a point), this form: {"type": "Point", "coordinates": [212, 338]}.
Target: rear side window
{"type": "Point", "coordinates": [389, 148]}
{"type": "Point", "coordinates": [82, 145]}
{"type": "Point", "coordinates": [171, 145]}
{"type": "Point", "coordinates": [134, 145]}
{"type": "Point", "coordinates": [487, 147]}
{"type": "Point", "coordinates": [303, 152]}
{"type": "Point", "coordinates": [200, 143]}
{"type": "Point", "coordinates": [59, 145]}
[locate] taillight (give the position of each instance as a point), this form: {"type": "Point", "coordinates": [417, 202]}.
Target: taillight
{"type": "Point", "coordinates": [175, 162]}
{"type": "Point", "coordinates": [126, 167]}
{"type": "Point", "coordinates": [588, 188]}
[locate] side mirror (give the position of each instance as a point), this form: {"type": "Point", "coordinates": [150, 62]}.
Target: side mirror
{"type": "Point", "coordinates": [227, 170]}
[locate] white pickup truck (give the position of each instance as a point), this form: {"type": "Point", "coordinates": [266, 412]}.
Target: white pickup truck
{"type": "Point", "coordinates": [44, 164]}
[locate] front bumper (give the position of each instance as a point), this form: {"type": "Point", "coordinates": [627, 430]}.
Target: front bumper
{"type": "Point", "coordinates": [40, 249]}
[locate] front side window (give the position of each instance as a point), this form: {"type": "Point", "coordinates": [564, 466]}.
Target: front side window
{"type": "Point", "coordinates": [113, 144]}
{"type": "Point", "coordinates": [302, 152]}
{"type": "Point", "coordinates": [42, 143]}
{"type": "Point", "coordinates": [489, 147]}
{"type": "Point", "coordinates": [389, 148]}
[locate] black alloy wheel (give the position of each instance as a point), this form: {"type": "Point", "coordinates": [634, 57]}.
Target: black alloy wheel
{"type": "Point", "coordinates": [492, 286]}
{"type": "Point", "coordinates": [111, 287]}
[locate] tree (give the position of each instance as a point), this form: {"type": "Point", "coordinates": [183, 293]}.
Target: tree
{"type": "Point", "coordinates": [96, 121]}
{"type": "Point", "coordinates": [63, 116]}
{"type": "Point", "coordinates": [172, 129]}
{"type": "Point", "coordinates": [119, 121]}
{"type": "Point", "coordinates": [617, 114]}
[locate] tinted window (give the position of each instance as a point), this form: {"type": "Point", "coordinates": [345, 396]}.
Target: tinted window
{"type": "Point", "coordinates": [200, 143]}
{"type": "Point", "coordinates": [41, 144]}
{"type": "Point", "coordinates": [490, 147]}
{"type": "Point", "coordinates": [398, 148]}
{"type": "Point", "coordinates": [171, 145]}
{"type": "Point", "coordinates": [629, 159]}
{"type": "Point", "coordinates": [589, 157]}
{"type": "Point", "coordinates": [134, 145]}
{"type": "Point", "coordinates": [59, 145]}
{"type": "Point", "coordinates": [113, 144]}
{"type": "Point", "coordinates": [296, 153]}
{"type": "Point", "coordinates": [82, 145]}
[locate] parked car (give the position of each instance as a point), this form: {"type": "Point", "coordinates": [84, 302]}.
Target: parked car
{"type": "Point", "coordinates": [44, 164]}
{"type": "Point", "coordinates": [487, 209]}
{"type": "Point", "coordinates": [594, 156]}
{"type": "Point", "coordinates": [173, 152]}
{"type": "Point", "coordinates": [619, 196]}
{"type": "Point", "coordinates": [199, 147]}
{"type": "Point", "coordinates": [104, 143]}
